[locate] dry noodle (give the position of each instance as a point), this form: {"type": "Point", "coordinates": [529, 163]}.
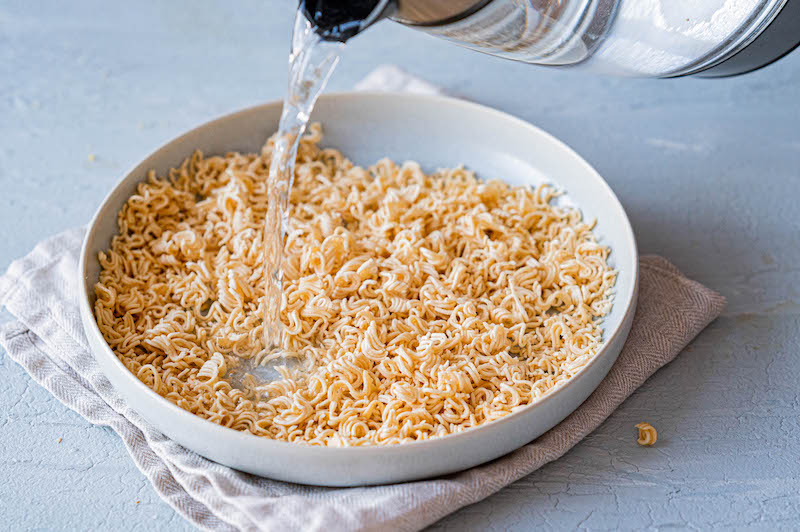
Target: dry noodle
{"type": "Point", "coordinates": [431, 303]}
{"type": "Point", "coordinates": [647, 434]}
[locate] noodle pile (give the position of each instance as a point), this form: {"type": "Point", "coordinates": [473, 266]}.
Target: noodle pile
{"type": "Point", "coordinates": [429, 304]}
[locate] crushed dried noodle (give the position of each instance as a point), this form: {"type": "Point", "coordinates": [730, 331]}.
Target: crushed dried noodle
{"type": "Point", "coordinates": [430, 303]}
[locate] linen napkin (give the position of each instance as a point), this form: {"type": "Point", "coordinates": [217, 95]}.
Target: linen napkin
{"type": "Point", "coordinates": [47, 339]}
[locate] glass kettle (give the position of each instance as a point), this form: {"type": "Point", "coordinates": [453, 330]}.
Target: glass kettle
{"type": "Point", "coordinates": [648, 38]}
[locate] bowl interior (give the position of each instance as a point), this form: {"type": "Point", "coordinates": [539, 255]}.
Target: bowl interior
{"type": "Point", "coordinates": [434, 131]}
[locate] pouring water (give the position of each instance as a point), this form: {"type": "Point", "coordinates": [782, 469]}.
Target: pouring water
{"type": "Point", "coordinates": [316, 48]}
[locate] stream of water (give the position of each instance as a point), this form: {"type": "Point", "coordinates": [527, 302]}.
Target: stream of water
{"type": "Point", "coordinates": [311, 63]}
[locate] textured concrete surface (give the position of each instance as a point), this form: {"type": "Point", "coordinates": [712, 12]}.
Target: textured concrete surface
{"type": "Point", "coordinates": [709, 172]}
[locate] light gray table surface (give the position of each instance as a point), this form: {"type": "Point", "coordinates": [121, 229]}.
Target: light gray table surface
{"type": "Point", "coordinates": [709, 172]}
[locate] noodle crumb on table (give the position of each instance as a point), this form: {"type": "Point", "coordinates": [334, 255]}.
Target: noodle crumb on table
{"type": "Point", "coordinates": [647, 434]}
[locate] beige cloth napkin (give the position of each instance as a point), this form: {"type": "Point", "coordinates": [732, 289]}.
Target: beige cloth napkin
{"type": "Point", "coordinates": [47, 339]}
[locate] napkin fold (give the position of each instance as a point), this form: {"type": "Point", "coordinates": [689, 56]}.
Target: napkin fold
{"type": "Point", "coordinates": [47, 339]}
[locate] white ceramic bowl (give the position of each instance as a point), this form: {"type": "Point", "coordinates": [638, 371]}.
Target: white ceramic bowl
{"type": "Point", "coordinates": [436, 132]}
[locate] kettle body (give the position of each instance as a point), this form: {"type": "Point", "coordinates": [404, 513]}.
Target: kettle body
{"type": "Point", "coordinates": [645, 38]}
